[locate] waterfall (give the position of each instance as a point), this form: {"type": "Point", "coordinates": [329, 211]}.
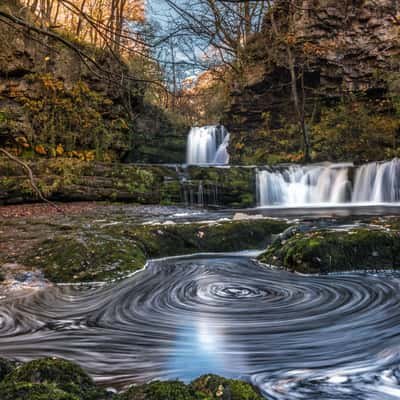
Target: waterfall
{"type": "Point", "coordinates": [329, 184]}
{"type": "Point", "coordinates": [208, 145]}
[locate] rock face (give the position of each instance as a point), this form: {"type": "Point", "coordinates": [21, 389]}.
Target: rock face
{"type": "Point", "coordinates": [339, 48]}
{"type": "Point", "coordinates": [325, 251]}
{"type": "Point", "coordinates": [50, 94]}
{"type": "Point", "coordinates": [73, 180]}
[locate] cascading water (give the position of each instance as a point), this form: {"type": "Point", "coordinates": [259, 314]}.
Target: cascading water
{"type": "Point", "coordinates": [330, 184]}
{"type": "Point", "coordinates": [208, 145]}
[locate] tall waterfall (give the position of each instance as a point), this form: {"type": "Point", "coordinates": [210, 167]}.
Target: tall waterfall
{"type": "Point", "coordinates": [208, 145]}
{"type": "Point", "coordinates": [330, 184]}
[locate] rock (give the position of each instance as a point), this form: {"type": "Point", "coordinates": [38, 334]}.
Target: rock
{"type": "Point", "coordinates": [344, 48]}
{"type": "Point", "coordinates": [157, 390]}
{"type": "Point", "coordinates": [6, 366]}
{"type": "Point", "coordinates": [324, 251]}
{"type": "Point", "coordinates": [88, 254]}
{"type": "Point", "coordinates": [50, 379]}
{"type": "Point", "coordinates": [211, 387]}
{"type": "Point", "coordinates": [68, 180]}
{"type": "Point", "coordinates": [58, 379]}
{"type": "Point", "coordinates": [216, 387]}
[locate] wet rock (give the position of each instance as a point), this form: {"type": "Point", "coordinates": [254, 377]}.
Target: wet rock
{"type": "Point", "coordinates": [323, 250]}
{"type": "Point", "coordinates": [109, 251]}
{"type": "Point", "coordinates": [50, 379]}
{"type": "Point", "coordinates": [216, 387]}
{"type": "Point", "coordinates": [67, 180]}
{"type": "Point", "coordinates": [170, 390]}
{"type": "Point", "coordinates": [6, 366]}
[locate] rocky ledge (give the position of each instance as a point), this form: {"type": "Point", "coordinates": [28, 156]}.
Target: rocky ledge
{"type": "Point", "coordinates": [372, 247]}
{"type": "Point", "coordinates": [59, 379]}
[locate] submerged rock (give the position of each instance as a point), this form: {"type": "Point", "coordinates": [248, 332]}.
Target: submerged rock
{"type": "Point", "coordinates": [324, 251]}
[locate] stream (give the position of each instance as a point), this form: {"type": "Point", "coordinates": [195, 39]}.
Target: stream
{"type": "Point", "coordinates": [295, 337]}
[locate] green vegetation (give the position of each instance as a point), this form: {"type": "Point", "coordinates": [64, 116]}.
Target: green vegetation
{"type": "Point", "coordinates": [357, 129]}
{"type": "Point", "coordinates": [96, 253]}
{"type": "Point", "coordinates": [58, 379]}
{"type": "Point", "coordinates": [323, 251]}
{"type": "Point", "coordinates": [72, 179]}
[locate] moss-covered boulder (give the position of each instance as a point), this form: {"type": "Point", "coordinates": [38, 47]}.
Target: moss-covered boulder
{"type": "Point", "coordinates": [102, 252]}
{"type": "Point", "coordinates": [216, 387]}
{"type": "Point", "coordinates": [207, 387]}
{"type": "Point", "coordinates": [157, 390]}
{"type": "Point", "coordinates": [50, 379]}
{"type": "Point", "coordinates": [29, 391]}
{"type": "Point", "coordinates": [323, 251]}
{"type": "Point", "coordinates": [87, 256]}
{"type": "Point", "coordinates": [6, 366]}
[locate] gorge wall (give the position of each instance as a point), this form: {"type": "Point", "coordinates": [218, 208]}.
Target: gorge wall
{"type": "Point", "coordinates": [52, 94]}
{"type": "Point", "coordinates": [345, 54]}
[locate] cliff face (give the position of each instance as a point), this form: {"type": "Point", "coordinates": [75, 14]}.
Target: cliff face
{"type": "Point", "coordinates": [340, 48]}
{"type": "Point", "coordinates": [50, 95]}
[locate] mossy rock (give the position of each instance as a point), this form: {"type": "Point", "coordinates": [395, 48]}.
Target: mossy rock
{"type": "Point", "coordinates": [30, 391]}
{"type": "Point", "coordinates": [323, 251]}
{"type": "Point", "coordinates": [88, 256]}
{"type": "Point", "coordinates": [99, 253]}
{"type": "Point", "coordinates": [6, 367]}
{"type": "Point", "coordinates": [52, 375]}
{"type": "Point", "coordinates": [157, 390]}
{"type": "Point", "coordinates": [216, 387]}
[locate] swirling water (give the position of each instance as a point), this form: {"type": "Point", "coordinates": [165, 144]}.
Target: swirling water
{"type": "Point", "coordinates": [295, 337]}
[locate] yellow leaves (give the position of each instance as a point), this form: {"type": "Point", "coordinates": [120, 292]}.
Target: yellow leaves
{"type": "Point", "coordinates": [84, 155]}
{"type": "Point", "coordinates": [59, 150]}
{"type": "Point", "coordinates": [39, 149]}
{"type": "Point", "coordinates": [239, 146]}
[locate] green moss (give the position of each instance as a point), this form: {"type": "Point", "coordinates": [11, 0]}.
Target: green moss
{"type": "Point", "coordinates": [88, 256]}
{"type": "Point", "coordinates": [326, 251]}
{"type": "Point", "coordinates": [157, 390]}
{"type": "Point", "coordinates": [216, 387]}
{"type": "Point", "coordinates": [49, 377]}
{"type": "Point", "coordinates": [29, 391]}
{"type": "Point", "coordinates": [50, 370]}
{"type": "Point", "coordinates": [6, 367]}
{"type": "Point", "coordinates": [97, 253]}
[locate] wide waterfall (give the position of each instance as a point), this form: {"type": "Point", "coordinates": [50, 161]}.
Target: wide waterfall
{"type": "Point", "coordinates": [329, 184]}
{"type": "Point", "coordinates": [208, 145]}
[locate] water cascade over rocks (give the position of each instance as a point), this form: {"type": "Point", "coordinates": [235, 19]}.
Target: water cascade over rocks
{"type": "Point", "coordinates": [208, 145]}
{"type": "Point", "coordinates": [329, 184]}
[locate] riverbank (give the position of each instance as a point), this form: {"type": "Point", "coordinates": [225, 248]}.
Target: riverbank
{"type": "Point", "coordinates": [99, 242]}
{"type": "Point", "coordinates": [59, 379]}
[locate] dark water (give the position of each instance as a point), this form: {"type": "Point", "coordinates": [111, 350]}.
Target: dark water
{"type": "Point", "coordinates": [333, 337]}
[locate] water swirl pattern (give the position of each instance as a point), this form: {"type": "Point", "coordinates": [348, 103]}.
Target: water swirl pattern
{"type": "Point", "coordinates": [295, 337]}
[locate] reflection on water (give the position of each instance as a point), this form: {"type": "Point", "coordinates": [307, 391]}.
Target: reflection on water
{"type": "Point", "coordinates": [333, 337]}
{"type": "Point", "coordinates": [198, 350]}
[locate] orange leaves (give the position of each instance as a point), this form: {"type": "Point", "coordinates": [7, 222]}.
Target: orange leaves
{"type": "Point", "coordinates": [313, 49]}
{"type": "Point", "coordinates": [239, 146]}
{"type": "Point", "coordinates": [22, 141]}
{"type": "Point", "coordinates": [39, 149]}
